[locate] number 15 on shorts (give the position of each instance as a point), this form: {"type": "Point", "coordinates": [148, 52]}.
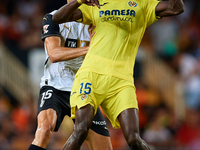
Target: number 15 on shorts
{"type": "Point", "coordinates": [85, 87]}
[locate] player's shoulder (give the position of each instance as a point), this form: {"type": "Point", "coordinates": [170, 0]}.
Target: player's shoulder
{"type": "Point", "coordinates": [48, 17]}
{"type": "Point", "coordinates": [72, 24]}
{"type": "Point", "coordinates": [50, 28]}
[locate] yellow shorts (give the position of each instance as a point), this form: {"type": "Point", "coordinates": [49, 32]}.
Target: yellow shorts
{"type": "Point", "coordinates": [113, 95]}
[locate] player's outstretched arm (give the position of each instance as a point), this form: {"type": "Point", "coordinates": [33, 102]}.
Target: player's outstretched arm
{"type": "Point", "coordinates": [170, 8]}
{"type": "Point", "coordinates": [69, 12]}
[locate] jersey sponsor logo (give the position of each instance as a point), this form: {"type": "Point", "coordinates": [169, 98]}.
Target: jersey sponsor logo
{"type": "Point", "coordinates": [117, 15]}
{"type": "Point", "coordinates": [132, 4]}
{"type": "Point", "coordinates": [71, 43]}
{"type": "Point", "coordinates": [84, 96]}
{"type": "Point", "coordinates": [104, 4]}
{"type": "Point", "coordinates": [116, 12]}
{"type": "Point", "coordinates": [113, 18]}
{"type": "Point", "coordinates": [45, 28]}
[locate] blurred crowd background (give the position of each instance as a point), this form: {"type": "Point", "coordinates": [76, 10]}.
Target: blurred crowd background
{"type": "Point", "coordinates": [167, 79]}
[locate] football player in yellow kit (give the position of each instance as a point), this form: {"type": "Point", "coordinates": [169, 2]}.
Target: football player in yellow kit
{"type": "Point", "coordinates": [106, 75]}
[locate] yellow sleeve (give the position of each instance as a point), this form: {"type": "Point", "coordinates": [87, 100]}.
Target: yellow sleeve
{"type": "Point", "coordinates": [86, 14]}
{"type": "Point", "coordinates": [151, 11]}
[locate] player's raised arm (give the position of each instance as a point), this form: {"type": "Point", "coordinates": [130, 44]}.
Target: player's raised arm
{"type": "Point", "coordinates": [69, 12]}
{"type": "Point", "coordinates": [170, 8]}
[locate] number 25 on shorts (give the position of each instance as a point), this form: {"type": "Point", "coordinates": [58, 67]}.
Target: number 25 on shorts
{"type": "Point", "coordinates": [85, 87]}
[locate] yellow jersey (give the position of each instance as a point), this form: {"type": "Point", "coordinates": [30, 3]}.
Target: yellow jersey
{"type": "Point", "coordinates": [120, 26]}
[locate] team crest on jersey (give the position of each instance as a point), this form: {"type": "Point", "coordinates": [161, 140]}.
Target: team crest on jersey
{"type": "Point", "coordinates": [83, 97]}
{"type": "Point", "coordinates": [45, 29]}
{"type": "Point", "coordinates": [132, 4]}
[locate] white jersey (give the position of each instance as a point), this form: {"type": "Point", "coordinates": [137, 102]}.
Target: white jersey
{"type": "Point", "coordinates": [61, 75]}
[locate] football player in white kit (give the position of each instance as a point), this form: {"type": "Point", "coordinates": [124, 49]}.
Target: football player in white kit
{"type": "Point", "coordinates": [65, 46]}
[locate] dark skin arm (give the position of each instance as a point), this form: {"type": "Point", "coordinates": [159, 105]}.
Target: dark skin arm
{"type": "Point", "coordinates": [170, 8]}
{"type": "Point", "coordinates": [69, 12]}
